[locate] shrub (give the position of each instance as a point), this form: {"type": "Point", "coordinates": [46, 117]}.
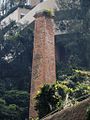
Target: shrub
{"type": "Point", "coordinates": [47, 100]}
{"type": "Point", "coordinates": [88, 113]}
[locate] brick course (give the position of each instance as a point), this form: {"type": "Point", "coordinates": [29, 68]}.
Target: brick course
{"type": "Point", "coordinates": [43, 67]}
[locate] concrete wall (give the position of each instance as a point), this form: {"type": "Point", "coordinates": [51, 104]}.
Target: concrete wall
{"type": "Point", "coordinates": [22, 11]}
{"type": "Point", "coordinates": [35, 2]}
{"type": "Point", "coordinates": [48, 5]}
{"type": "Point", "coordinates": [15, 16]}
{"type": "Point", "coordinates": [29, 14]}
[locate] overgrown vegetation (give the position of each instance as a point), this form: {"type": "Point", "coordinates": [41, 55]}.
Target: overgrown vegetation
{"type": "Point", "coordinates": [65, 93]}
{"type": "Point", "coordinates": [15, 61]}
{"type": "Point", "coordinates": [88, 113]}
{"type": "Point", "coordinates": [13, 105]}
{"type": "Point", "coordinates": [16, 46]}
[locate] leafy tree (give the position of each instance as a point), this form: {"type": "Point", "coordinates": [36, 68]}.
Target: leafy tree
{"type": "Point", "coordinates": [65, 93]}
{"type": "Point", "coordinates": [47, 100]}
{"type": "Point", "coordinates": [88, 113]}
{"type": "Point", "coordinates": [14, 105]}
{"type": "Point", "coordinates": [19, 98]}
{"type": "Point", "coordinates": [9, 112]}
{"type": "Point", "coordinates": [16, 46]}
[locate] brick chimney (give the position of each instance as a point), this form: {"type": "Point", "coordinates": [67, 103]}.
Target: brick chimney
{"type": "Point", "coordinates": [43, 67]}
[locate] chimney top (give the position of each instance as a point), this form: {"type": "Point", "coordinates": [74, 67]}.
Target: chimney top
{"type": "Point", "coordinates": [46, 13]}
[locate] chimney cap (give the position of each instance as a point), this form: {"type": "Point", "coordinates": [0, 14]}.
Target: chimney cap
{"type": "Point", "coordinates": [45, 12]}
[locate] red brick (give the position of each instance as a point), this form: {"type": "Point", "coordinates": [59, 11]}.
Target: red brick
{"type": "Point", "coordinates": [43, 67]}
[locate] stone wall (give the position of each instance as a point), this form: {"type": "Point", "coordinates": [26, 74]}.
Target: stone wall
{"type": "Point", "coordinates": [77, 112]}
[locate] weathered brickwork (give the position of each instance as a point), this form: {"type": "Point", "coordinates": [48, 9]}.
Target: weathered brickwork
{"type": "Point", "coordinates": [43, 68]}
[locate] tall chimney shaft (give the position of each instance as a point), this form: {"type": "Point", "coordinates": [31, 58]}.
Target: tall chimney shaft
{"type": "Point", "coordinates": [43, 66]}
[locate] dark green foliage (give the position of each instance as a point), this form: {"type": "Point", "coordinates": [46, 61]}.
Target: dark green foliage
{"type": "Point", "coordinates": [17, 44]}
{"type": "Point", "coordinates": [88, 113]}
{"type": "Point", "coordinates": [9, 112]}
{"type": "Point", "coordinates": [2, 88]}
{"type": "Point", "coordinates": [74, 53]}
{"type": "Point", "coordinates": [14, 79]}
{"type": "Point", "coordinates": [74, 20]}
{"type": "Point", "coordinates": [14, 105]}
{"type": "Point", "coordinates": [19, 98]}
{"type": "Point", "coordinates": [79, 81]}
{"type": "Point", "coordinates": [66, 92]}
{"type": "Point", "coordinates": [47, 100]}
